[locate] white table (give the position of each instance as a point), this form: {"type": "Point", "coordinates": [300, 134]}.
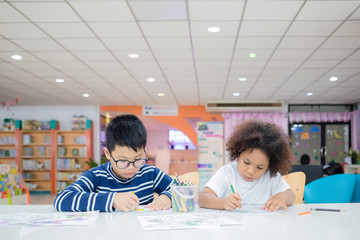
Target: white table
{"type": "Point", "coordinates": [286, 225]}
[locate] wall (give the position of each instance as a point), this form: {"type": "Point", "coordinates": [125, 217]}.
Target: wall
{"type": "Point", "coordinates": [61, 113]}
{"type": "Point", "coordinates": [157, 144]}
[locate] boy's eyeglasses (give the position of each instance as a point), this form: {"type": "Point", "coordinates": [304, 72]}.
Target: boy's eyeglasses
{"type": "Point", "coordinates": [122, 164]}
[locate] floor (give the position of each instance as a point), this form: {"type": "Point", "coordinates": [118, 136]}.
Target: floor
{"type": "Point", "coordinates": [42, 199]}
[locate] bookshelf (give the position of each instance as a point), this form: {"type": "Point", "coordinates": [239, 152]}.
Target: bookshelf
{"type": "Point", "coordinates": [41, 157]}
{"type": "Point", "coordinates": [9, 146]}
{"type": "Point", "coordinates": [36, 159]}
{"type": "Point", "coordinates": [73, 149]}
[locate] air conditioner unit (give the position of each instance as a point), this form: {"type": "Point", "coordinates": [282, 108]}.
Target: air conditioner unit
{"type": "Point", "coordinates": [244, 106]}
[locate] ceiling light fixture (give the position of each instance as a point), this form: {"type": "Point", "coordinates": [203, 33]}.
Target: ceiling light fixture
{"type": "Point", "coordinates": [133, 55]}
{"type": "Point", "coordinates": [252, 55]}
{"type": "Point", "coordinates": [150, 79]}
{"type": "Point", "coordinates": [242, 79]}
{"type": "Point", "coordinates": [16, 57]}
{"type": "Point", "coordinates": [309, 94]}
{"type": "Point", "coordinates": [86, 95]}
{"type": "Point", "coordinates": [161, 94]}
{"type": "Point", "coordinates": [213, 29]}
{"type": "Point", "coordinates": [59, 80]}
{"type": "Point", "coordinates": [236, 94]}
{"type": "Point", "coordinates": [333, 79]}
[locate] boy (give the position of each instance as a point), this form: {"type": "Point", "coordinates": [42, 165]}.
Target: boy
{"type": "Point", "coordinates": [125, 181]}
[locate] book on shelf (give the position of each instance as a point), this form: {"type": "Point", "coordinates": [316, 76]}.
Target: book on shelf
{"type": "Point", "coordinates": [35, 165]}
{"type": "Point", "coordinates": [62, 151]}
{"type": "Point", "coordinates": [80, 139]}
{"type": "Point", "coordinates": [7, 140]}
{"type": "Point", "coordinates": [60, 139]}
{"type": "Point", "coordinates": [67, 176]}
{"type": "Point", "coordinates": [75, 152]}
{"type": "Point", "coordinates": [42, 151]}
{"type": "Point", "coordinates": [82, 152]}
{"type": "Point", "coordinates": [67, 164]}
{"type": "Point", "coordinates": [47, 139]}
{"type": "Point", "coordinates": [62, 185]}
{"type": "Point", "coordinates": [28, 139]}
{"type": "Point", "coordinates": [28, 151]}
{"type": "Point", "coordinates": [7, 152]}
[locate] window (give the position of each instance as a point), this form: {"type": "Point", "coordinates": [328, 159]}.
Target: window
{"type": "Point", "coordinates": [179, 141]}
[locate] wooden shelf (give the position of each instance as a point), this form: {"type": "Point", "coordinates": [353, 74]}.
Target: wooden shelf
{"type": "Point", "coordinates": [37, 180]}
{"type": "Point", "coordinates": [71, 170]}
{"type": "Point", "coordinates": [33, 170]}
{"type": "Point", "coordinates": [66, 180]}
{"type": "Point", "coordinates": [34, 157]}
{"type": "Point", "coordinates": [71, 144]}
{"type": "Point", "coordinates": [36, 144]}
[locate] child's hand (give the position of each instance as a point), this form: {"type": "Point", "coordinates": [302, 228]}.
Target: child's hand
{"type": "Point", "coordinates": [275, 202]}
{"type": "Point", "coordinates": [160, 203]}
{"type": "Point", "coordinates": [125, 201]}
{"type": "Point", "coordinates": [232, 201]}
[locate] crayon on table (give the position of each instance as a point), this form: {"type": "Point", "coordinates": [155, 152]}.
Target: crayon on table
{"type": "Point", "coordinates": [304, 213]}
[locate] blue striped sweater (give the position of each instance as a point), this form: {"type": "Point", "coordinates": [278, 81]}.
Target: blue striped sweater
{"type": "Point", "coordinates": [96, 188]}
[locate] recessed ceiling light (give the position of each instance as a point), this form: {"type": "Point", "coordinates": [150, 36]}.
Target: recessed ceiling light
{"type": "Point", "coordinates": [59, 80]}
{"type": "Point", "coordinates": [16, 57]}
{"type": "Point", "coordinates": [150, 79]}
{"type": "Point", "coordinates": [242, 79]}
{"type": "Point", "coordinates": [161, 94]}
{"type": "Point", "coordinates": [133, 55]}
{"type": "Point", "coordinates": [213, 29]}
{"type": "Point", "coordinates": [333, 79]}
{"type": "Point", "coordinates": [86, 95]}
{"type": "Point", "coordinates": [236, 94]}
{"type": "Point", "coordinates": [252, 55]}
{"type": "Point", "coordinates": [309, 94]}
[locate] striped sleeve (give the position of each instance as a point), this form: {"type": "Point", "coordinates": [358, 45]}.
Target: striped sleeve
{"type": "Point", "coordinates": [162, 183]}
{"type": "Point", "coordinates": [81, 196]}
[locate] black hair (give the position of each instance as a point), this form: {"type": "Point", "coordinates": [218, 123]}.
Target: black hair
{"type": "Point", "coordinates": [304, 159]}
{"type": "Point", "coordinates": [126, 130]}
{"type": "Point", "coordinates": [266, 137]}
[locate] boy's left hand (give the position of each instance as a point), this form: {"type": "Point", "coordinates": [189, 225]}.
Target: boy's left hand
{"type": "Point", "coordinates": [160, 203]}
{"type": "Point", "coordinates": [275, 202]}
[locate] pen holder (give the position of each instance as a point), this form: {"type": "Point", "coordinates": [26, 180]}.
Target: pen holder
{"type": "Point", "coordinates": [183, 198]}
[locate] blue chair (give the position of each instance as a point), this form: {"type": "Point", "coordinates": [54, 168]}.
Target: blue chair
{"type": "Point", "coordinates": [356, 194]}
{"type": "Point", "coordinates": [337, 188]}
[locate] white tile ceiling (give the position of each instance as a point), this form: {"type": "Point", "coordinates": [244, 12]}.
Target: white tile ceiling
{"type": "Point", "coordinates": [299, 45]}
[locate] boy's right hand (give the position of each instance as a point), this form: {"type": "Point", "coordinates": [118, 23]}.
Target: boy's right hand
{"type": "Point", "coordinates": [125, 201]}
{"type": "Point", "coordinates": [232, 201]}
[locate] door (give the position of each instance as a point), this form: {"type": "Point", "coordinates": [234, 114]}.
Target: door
{"type": "Point", "coordinates": [323, 142]}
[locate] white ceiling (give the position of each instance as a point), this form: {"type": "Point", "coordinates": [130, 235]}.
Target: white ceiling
{"type": "Point", "coordinates": [299, 45]}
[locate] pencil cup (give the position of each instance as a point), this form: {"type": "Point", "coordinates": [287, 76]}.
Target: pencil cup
{"type": "Point", "coordinates": [183, 198]}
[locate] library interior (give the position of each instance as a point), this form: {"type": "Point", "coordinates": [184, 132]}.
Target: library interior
{"type": "Point", "coordinates": [192, 71]}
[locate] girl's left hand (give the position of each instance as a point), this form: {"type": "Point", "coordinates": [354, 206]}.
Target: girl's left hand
{"type": "Point", "coordinates": [160, 203]}
{"type": "Point", "coordinates": [275, 202]}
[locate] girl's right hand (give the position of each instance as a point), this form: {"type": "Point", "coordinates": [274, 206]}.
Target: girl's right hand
{"type": "Point", "coordinates": [232, 202]}
{"type": "Point", "coordinates": [125, 201]}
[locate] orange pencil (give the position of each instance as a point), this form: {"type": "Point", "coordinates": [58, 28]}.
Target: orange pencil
{"type": "Point", "coordinates": [304, 213]}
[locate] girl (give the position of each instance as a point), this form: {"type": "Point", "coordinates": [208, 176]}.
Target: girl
{"type": "Point", "coordinates": [259, 152]}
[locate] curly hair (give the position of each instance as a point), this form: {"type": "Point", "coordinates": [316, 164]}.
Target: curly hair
{"type": "Point", "coordinates": [266, 137]}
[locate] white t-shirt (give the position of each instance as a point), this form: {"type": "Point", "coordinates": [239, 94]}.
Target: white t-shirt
{"type": "Point", "coordinates": [255, 192]}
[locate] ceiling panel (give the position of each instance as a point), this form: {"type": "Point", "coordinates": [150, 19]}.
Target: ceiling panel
{"type": "Point", "coordinates": [10, 14]}
{"type": "Point", "coordinates": [299, 45]}
{"type": "Point", "coordinates": [55, 11]}
{"type": "Point", "coordinates": [102, 11]}
{"type": "Point", "coordinates": [67, 30]}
